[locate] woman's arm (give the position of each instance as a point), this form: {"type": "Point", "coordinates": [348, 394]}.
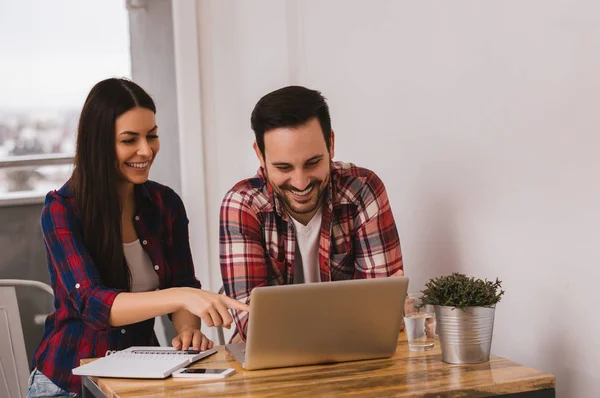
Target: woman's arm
{"type": "Point", "coordinates": [212, 308]}
{"type": "Point", "coordinates": [73, 273]}
{"type": "Point", "coordinates": [131, 308]}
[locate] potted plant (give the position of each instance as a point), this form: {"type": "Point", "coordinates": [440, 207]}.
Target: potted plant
{"type": "Point", "coordinates": [464, 312]}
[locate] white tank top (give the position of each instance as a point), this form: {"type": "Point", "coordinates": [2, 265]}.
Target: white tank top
{"type": "Point", "coordinates": [143, 276]}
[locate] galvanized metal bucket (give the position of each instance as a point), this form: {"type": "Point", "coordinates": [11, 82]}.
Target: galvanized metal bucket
{"type": "Point", "coordinates": [465, 334]}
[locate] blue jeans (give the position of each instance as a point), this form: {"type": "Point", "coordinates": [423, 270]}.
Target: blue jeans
{"type": "Point", "coordinates": [41, 386]}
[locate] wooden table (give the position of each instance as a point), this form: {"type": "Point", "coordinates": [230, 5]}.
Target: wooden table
{"type": "Point", "coordinates": [405, 374]}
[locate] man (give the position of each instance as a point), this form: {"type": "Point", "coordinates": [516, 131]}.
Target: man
{"type": "Point", "coordinates": [303, 218]}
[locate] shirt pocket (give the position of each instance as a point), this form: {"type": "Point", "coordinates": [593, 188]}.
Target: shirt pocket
{"type": "Point", "coordinates": [277, 271]}
{"type": "Point", "coordinates": [342, 266]}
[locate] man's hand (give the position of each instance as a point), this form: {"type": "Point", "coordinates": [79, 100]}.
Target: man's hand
{"type": "Point", "coordinates": [430, 327]}
{"type": "Point", "coordinates": [192, 337]}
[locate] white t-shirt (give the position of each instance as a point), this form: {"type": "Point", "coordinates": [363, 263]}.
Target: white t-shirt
{"type": "Point", "coordinates": [306, 261]}
{"type": "Point", "coordinates": [143, 276]}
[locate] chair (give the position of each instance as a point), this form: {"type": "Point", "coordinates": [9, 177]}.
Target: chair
{"type": "Point", "coordinates": [14, 366]}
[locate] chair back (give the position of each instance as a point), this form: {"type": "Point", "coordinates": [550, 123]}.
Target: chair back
{"type": "Point", "coordinates": [14, 369]}
{"type": "Point", "coordinates": [14, 364]}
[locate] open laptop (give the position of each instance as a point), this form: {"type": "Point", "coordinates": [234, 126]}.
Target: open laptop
{"type": "Point", "coordinates": [325, 322]}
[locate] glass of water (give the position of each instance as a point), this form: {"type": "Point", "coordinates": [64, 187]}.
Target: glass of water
{"type": "Point", "coordinates": [419, 320]}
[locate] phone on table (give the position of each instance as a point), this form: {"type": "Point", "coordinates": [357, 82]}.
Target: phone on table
{"type": "Point", "coordinates": [199, 373]}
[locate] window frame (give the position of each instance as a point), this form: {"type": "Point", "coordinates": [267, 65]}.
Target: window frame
{"type": "Point", "coordinates": [21, 198]}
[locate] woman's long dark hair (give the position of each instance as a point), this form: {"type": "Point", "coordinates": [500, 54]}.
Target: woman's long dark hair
{"type": "Point", "coordinates": [95, 176]}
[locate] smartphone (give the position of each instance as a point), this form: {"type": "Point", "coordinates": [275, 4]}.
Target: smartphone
{"type": "Point", "coordinates": [198, 373]}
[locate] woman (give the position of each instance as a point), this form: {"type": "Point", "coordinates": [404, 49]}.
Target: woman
{"type": "Point", "coordinates": [117, 246]}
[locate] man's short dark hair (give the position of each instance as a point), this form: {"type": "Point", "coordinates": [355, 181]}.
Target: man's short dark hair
{"type": "Point", "coordinates": [290, 106]}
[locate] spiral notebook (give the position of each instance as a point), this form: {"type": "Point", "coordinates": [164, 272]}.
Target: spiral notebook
{"type": "Point", "coordinates": [141, 362]}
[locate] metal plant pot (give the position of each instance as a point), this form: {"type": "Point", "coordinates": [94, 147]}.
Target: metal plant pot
{"type": "Point", "coordinates": [465, 334]}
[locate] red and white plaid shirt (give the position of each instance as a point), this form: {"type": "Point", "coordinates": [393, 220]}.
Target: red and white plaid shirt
{"type": "Point", "coordinates": [358, 236]}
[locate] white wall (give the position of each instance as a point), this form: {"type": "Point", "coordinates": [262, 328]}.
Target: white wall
{"type": "Point", "coordinates": [153, 68]}
{"type": "Point", "coordinates": [240, 58]}
{"type": "Point", "coordinates": [480, 119]}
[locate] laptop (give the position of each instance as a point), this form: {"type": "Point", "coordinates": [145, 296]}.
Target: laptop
{"type": "Point", "coordinates": [325, 322]}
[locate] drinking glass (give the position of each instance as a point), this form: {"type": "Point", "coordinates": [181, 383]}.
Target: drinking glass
{"type": "Point", "coordinates": [419, 320]}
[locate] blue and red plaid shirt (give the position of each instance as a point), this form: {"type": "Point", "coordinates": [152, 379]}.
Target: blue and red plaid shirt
{"type": "Point", "coordinates": [78, 328]}
{"type": "Point", "coordinates": [358, 237]}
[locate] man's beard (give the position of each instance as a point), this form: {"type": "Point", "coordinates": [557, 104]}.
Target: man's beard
{"type": "Point", "coordinates": [284, 192]}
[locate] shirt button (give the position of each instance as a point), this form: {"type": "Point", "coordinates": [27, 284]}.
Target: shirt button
{"type": "Point", "coordinates": [144, 242]}
{"type": "Point", "coordinates": [137, 218]}
{"type": "Point", "coordinates": [123, 331]}
{"type": "Point", "coordinates": [156, 267]}
{"type": "Point", "coordinates": [77, 286]}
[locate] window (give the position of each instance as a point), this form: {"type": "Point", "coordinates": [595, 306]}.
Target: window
{"type": "Point", "coordinates": [51, 54]}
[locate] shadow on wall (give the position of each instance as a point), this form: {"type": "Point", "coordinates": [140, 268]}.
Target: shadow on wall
{"type": "Point", "coordinates": [551, 351]}
{"type": "Point", "coordinates": [444, 188]}
{"type": "Point", "coordinates": [436, 249]}
{"type": "Point", "coordinates": [556, 354]}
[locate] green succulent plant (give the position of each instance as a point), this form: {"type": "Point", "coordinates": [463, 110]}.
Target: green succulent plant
{"type": "Point", "coordinates": [460, 291]}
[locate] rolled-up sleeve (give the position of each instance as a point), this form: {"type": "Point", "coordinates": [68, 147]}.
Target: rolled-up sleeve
{"type": "Point", "coordinates": [72, 270]}
{"type": "Point", "coordinates": [377, 244]}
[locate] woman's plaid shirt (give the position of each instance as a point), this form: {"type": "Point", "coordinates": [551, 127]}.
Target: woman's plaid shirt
{"type": "Point", "coordinates": [79, 327]}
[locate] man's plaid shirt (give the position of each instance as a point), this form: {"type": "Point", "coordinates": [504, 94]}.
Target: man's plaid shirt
{"type": "Point", "coordinates": [257, 240]}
